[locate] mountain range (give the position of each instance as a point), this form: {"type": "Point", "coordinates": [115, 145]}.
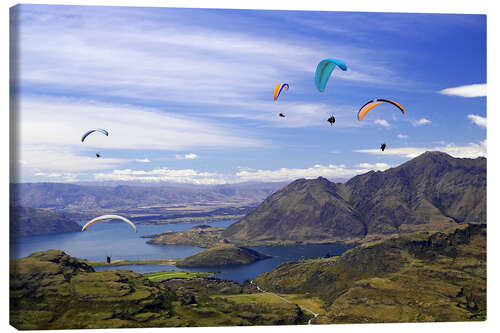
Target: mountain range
{"type": "Point", "coordinates": [76, 197]}
{"type": "Point", "coordinates": [433, 191]}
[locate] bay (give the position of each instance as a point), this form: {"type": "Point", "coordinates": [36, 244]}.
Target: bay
{"type": "Point", "coordinates": [118, 241]}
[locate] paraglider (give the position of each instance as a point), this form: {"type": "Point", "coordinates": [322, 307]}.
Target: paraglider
{"type": "Point", "coordinates": [331, 120]}
{"type": "Point", "coordinates": [371, 104]}
{"type": "Point", "coordinates": [278, 89]}
{"type": "Point", "coordinates": [108, 259]}
{"type": "Point", "coordinates": [382, 146]}
{"type": "Point", "coordinates": [100, 130]}
{"type": "Point", "coordinates": [282, 115]}
{"type": "Point", "coordinates": [97, 155]}
{"type": "Point", "coordinates": [108, 217]}
{"type": "Point", "coordinates": [325, 69]}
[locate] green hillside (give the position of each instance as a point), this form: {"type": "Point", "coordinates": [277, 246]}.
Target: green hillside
{"type": "Point", "coordinates": [220, 255]}
{"type": "Point", "coordinates": [418, 277]}
{"type": "Point", "coordinates": [51, 290]}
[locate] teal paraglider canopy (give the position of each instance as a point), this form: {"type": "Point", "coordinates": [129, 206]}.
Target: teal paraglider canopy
{"type": "Point", "coordinates": [325, 69]}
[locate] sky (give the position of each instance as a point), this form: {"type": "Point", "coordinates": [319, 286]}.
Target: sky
{"type": "Point", "coordinates": [186, 94]}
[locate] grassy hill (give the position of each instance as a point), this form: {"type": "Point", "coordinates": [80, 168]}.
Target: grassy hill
{"type": "Point", "coordinates": [434, 191]}
{"type": "Point", "coordinates": [220, 255]}
{"type": "Point", "coordinates": [51, 290]}
{"type": "Point", "coordinates": [201, 236]}
{"type": "Point", "coordinates": [417, 277]}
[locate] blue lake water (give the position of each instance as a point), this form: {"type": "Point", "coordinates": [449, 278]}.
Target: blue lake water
{"type": "Point", "coordinates": [118, 241]}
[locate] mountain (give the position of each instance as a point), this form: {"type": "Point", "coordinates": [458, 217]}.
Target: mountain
{"type": "Point", "coordinates": [74, 197]}
{"type": "Point", "coordinates": [421, 276]}
{"type": "Point", "coordinates": [25, 221]}
{"type": "Point", "coordinates": [220, 255]}
{"type": "Point", "coordinates": [433, 191]}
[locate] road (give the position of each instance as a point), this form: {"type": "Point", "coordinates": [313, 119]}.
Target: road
{"type": "Point", "coordinates": [284, 299]}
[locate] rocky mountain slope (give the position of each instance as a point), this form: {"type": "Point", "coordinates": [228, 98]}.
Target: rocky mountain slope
{"type": "Point", "coordinates": [416, 277]}
{"type": "Point", "coordinates": [434, 191]}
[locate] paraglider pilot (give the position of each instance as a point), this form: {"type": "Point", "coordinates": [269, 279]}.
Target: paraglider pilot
{"type": "Point", "coordinates": [108, 259]}
{"type": "Point", "coordinates": [331, 120]}
{"type": "Point", "coordinates": [382, 146]}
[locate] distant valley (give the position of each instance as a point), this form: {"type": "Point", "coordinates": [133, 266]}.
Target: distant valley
{"type": "Point", "coordinates": [153, 204]}
{"type": "Point", "coordinates": [72, 197]}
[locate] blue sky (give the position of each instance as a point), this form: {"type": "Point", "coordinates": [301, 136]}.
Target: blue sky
{"type": "Point", "coordinates": [186, 94]}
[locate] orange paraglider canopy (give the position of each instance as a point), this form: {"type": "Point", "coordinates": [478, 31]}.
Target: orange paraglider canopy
{"type": "Point", "coordinates": [371, 104]}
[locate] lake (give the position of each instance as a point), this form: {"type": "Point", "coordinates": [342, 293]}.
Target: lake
{"type": "Point", "coordinates": [119, 241]}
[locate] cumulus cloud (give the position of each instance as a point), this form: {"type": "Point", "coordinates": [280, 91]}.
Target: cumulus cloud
{"type": "Point", "coordinates": [402, 136]}
{"type": "Point", "coordinates": [64, 177]}
{"type": "Point", "coordinates": [382, 122]}
{"type": "Point", "coordinates": [163, 174]}
{"type": "Point", "coordinates": [471, 150]}
{"type": "Point", "coordinates": [420, 122]}
{"type": "Point", "coordinates": [478, 120]}
{"type": "Point", "coordinates": [374, 166]}
{"type": "Point", "coordinates": [472, 90]}
{"type": "Point", "coordinates": [189, 156]}
{"type": "Point", "coordinates": [243, 175]}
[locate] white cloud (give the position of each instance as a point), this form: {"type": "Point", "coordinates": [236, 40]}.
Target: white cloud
{"type": "Point", "coordinates": [420, 122]}
{"type": "Point", "coordinates": [57, 159]}
{"type": "Point", "coordinates": [328, 171]}
{"type": "Point", "coordinates": [143, 160]}
{"type": "Point", "coordinates": [49, 175]}
{"type": "Point", "coordinates": [99, 44]}
{"type": "Point", "coordinates": [402, 136]}
{"type": "Point", "coordinates": [163, 174]}
{"type": "Point", "coordinates": [471, 150]}
{"type": "Point", "coordinates": [472, 90]}
{"type": "Point", "coordinates": [243, 175]}
{"type": "Point", "coordinates": [58, 121]}
{"type": "Point", "coordinates": [64, 177]}
{"type": "Point", "coordinates": [374, 166]}
{"type": "Point", "coordinates": [298, 114]}
{"type": "Point", "coordinates": [190, 156]}
{"type": "Point", "coordinates": [478, 120]}
{"type": "Point", "coordinates": [382, 122]}
{"type": "Point", "coordinates": [49, 129]}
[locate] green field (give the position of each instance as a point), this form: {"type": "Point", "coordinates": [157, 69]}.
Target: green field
{"type": "Point", "coordinates": [306, 302]}
{"type": "Point", "coordinates": [166, 275]}
{"type": "Point", "coordinates": [121, 262]}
